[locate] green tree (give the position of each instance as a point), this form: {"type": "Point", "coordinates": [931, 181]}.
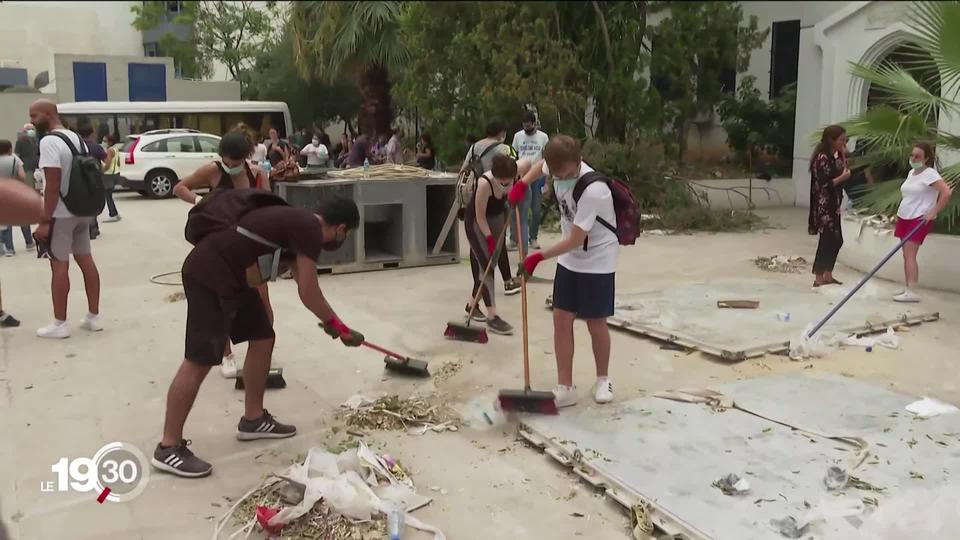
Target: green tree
{"type": "Point", "coordinates": [915, 93]}
{"type": "Point", "coordinates": [275, 77]}
{"type": "Point", "coordinates": [693, 48]}
{"type": "Point", "coordinates": [357, 40]}
{"type": "Point", "coordinates": [231, 33]}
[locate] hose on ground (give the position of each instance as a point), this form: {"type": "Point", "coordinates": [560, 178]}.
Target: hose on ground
{"type": "Point", "coordinates": [156, 279]}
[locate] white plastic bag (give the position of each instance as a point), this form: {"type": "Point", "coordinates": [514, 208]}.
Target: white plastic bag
{"type": "Point", "coordinates": [802, 347]}
{"type": "Point", "coordinates": [888, 339]}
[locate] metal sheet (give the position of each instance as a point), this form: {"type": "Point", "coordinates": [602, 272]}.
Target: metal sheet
{"type": "Point", "coordinates": [668, 453]}
{"type": "Point", "coordinates": [687, 314]}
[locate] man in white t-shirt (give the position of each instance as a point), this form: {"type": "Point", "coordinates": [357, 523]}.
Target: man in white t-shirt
{"type": "Point", "coordinates": [529, 143]}
{"type": "Point", "coordinates": [62, 234]}
{"type": "Point", "coordinates": [587, 261]}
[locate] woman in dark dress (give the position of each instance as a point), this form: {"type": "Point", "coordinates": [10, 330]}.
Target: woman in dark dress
{"type": "Point", "coordinates": [828, 169]}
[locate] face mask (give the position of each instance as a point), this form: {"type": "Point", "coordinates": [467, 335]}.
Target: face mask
{"type": "Point", "coordinates": [232, 171]}
{"type": "Point", "coordinates": [31, 133]}
{"type": "Point", "coordinates": [916, 165]}
{"type": "Point", "coordinates": [562, 185]}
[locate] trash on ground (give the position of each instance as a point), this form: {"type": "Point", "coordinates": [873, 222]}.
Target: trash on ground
{"type": "Point", "coordinates": [783, 317]}
{"type": "Point", "coordinates": [738, 304]}
{"type": "Point", "coordinates": [641, 521]}
{"type": "Point", "coordinates": [836, 478]}
{"type": "Point", "coordinates": [803, 347]}
{"type": "Point", "coordinates": [344, 496]}
{"type": "Point", "coordinates": [393, 413]}
{"type": "Point", "coordinates": [929, 407]}
{"type": "Point", "coordinates": [788, 527]}
{"type": "Point", "coordinates": [446, 371]}
{"type": "Point", "coordinates": [889, 339]}
{"type": "Point", "coordinates": [782, 263]}
{"type": "Point", "coordinates": [175, 297]}
{"type": "Point", "coordinates": [863, 485]}
{"type": "Point", "coordinates": [732, 484]}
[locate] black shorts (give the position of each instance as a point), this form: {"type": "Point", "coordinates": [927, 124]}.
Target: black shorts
{"type": "Point", "coordinates": [589, 296]}
{"type": "Point", "coordinates": [212, 318]}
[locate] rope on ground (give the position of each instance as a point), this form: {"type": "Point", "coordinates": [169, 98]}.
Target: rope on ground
{"type": "Point", "coordinates": [155, 279]}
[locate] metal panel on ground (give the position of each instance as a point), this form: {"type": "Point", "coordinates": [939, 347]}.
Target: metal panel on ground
{"type": "Point", "coordinates": [687, 314]}
{"type": "Point", "coordinates": [668, 454]}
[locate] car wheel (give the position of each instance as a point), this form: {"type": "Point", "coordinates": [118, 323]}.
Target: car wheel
{"type": "Point", "coordinates": [160, 184]}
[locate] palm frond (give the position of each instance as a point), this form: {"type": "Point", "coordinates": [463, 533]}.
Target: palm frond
{"type": "Point", "coordinates": [937, 42]}
{"type": "Point", "coordinates": [906, 92]}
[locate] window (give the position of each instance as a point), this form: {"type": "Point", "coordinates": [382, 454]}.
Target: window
{"type": "Point", "coordinates": [208, 145]}
{"type": "Point", "coordinates": [173, 7]}
{"type": "Point", "coordinates": [180, 144]}
{"type": "Point", "coordinates": [147, 82]}
{"type": "Point", "coordinates": [151, 49]}
{"type": "Point", "coordinates": [784, 55]}
{"type": "Point", "coordinates": [89, 81]}
{"type": "Point", "coordinates": [728, 80]}
{"type": "Point", "coordinates": [156, 146]}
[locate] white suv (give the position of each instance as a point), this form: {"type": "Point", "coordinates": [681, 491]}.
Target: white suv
{"type": "Point", "coordinates": [154, 161]}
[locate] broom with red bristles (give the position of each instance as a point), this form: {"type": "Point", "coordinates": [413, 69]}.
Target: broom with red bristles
{"type": "Point", "coordinates": [526, 400]}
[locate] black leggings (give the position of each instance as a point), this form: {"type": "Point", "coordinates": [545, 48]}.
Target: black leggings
{"type": "Point", "coordinates": [827, 251]}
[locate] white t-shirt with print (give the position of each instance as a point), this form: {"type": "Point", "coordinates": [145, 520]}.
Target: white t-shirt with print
{"type": "Point", "coordinates": [919, 195]}
{"type": "Point", "coordinates": [603, 247]}
{"type": "Point", "coordinates": [54, 153]}
{"type": "Point", "coordinates": [530, 147]}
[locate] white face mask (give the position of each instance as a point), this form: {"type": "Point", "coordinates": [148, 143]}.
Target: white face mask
{"type": "Point", "coordinates": [562, 185]}
{"type": "Point", "coordinates": [232, 171]}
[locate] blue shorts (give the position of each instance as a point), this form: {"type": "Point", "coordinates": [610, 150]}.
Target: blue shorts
{"type": "Point", "coordinates": [589, 296]}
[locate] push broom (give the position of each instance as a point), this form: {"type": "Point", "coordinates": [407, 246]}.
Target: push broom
{"type": "Point", "coordinates": [393, 361]}
{"type": "Point", "coordinates": [463, 331]}
{"type": "Point", "coordinates": [526, 400]}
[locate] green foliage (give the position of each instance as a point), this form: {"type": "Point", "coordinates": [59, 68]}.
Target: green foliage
{"type": "Point", "coordinates": [753, 123]}
{"type": "Point", "coordinates": [692, 48]}
{"type": "Point", "coordinates": [311, 100]}
{"type": "Point", "coordinates": [231, 33]}
{"type": "Point", "coordinates": [909, 108]}
{"type": "Point", "coordinates": [356, 40]}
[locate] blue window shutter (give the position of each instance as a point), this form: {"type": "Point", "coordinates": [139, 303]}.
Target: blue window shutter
{"type": "Point", "coordinates": [148, 82]}
{"type": "Point", "coordinates": [89, 81]}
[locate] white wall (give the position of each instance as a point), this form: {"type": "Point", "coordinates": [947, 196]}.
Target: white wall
{"type": "Point", "coordinates": [14, 112]}
{"type": "Point", "coordinates": [32, 32]}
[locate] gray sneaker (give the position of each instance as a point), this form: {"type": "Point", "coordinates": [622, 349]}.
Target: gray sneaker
{"type": "Point", "coordinates": [499, 326]}
{"type": "Point", "coordinates": [179, 460]}
{"type": "Point", "coordinates": [265, 427]}
{"type": "Point", "coordinates": [511, 287]}
{"type": "Point", "coordinates": [477, 316]}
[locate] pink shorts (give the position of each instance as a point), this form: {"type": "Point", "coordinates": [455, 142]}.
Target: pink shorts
{"type": "Point", "coordinates": [904, 226]}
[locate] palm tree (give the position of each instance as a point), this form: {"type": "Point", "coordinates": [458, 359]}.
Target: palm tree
{"type": "Point", "coordinates": [915, 91]}
{"type": "Point", "coordinates": [358, 40]}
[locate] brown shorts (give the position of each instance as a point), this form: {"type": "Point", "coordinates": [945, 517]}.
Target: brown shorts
{"type": "Point", "coordinates": [212, 318]}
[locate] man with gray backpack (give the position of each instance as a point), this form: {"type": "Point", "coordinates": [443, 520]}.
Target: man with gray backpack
{"type": "Point", "coordinates": [73, 196]}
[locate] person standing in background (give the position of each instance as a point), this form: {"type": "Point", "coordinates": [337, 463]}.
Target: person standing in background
{"type": "Point", "coordinates": [529, 143]}
{"type": "Point", "coordinates": [12, 166]}
{"type": "Point", "coordinates": [28, 151]}
{"type": "Point", "coordinates": [259, 149]}
{"type": "Point", "coordinates": [315, 153]}
{"type": "Point", "coordinates": [393, 153]}
{"type": "Point", "coordinates": [426, 155]}
{"type": "Point", "coordinates": [276, 142]}
{"type": "Point", "coordinates": [111, 174]}
{"type": "Point", "coordinates": [828, 169]}
{"type": "Point", "coordinates": [97, 151]}
{"type": "Point", "coordinates": [64, 233]}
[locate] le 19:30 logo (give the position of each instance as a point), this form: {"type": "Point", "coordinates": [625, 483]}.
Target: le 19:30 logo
{"type": "Point", "coordinates": [118, 472]}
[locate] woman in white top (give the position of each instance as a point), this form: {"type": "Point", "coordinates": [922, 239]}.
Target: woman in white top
{"type": "Point", "coordinates": [925, 195]}
{"type": "Point", "coordinates": [316, 154]}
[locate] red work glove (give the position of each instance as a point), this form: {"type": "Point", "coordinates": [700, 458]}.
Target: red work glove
{"type": "Point", "coordinates": [530, 263]}
{"type": "Point", "coordinates": [490, 245]}
{"type": "Point", "coordinates": [264, 515]}
{"type": "Point", "coordinates": [517, 193]}
{"type": "Point", "coordinates": [336, 329]}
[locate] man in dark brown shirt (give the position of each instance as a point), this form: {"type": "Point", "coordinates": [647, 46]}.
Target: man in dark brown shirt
{"type": "Point", "coordinates": [223, 303]}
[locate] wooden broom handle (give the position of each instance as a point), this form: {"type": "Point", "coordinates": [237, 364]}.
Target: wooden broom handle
{"type": "Point", "coordinates": [523, 304]}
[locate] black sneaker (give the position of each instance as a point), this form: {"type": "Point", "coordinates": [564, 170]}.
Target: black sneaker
{"type": "Point", "coordinates": [180, 461]}
{"type": "Point", "coordinates": [7, 320]}
{"type": "Point", "coordinates": [477, 314]}
{"type": "Point", "coordinates": [512, 286]}
{"type": "Point", "coordinates": [499, 326]}
{"type": "Point", "coordinates": [265, 427]}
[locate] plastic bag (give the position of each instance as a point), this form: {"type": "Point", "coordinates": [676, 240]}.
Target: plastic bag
{"type": "Point", "coordinates": [817, 346]}
{"type": "Point", "coordinates": [888, 339]}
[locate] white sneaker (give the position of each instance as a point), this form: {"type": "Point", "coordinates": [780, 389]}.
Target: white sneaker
{"type": "Point", "coordinates": [229, 368]}
{"type": "Point", "coordinates": [533, 244]}
{"type": "Point", "coordinates": [603, 390]}
{"type": "Point", "coordinates": [113, 219]}
{"type": "Point", "coordinates": [566, 396]}
{"type": "Point", "coordinates": [54, 330]}
{"type": "Point", "coordinates": [907, 296]}
{"type": "Point", "coordinates": [92, 323]}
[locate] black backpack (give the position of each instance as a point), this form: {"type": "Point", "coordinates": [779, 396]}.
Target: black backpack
{"type": "Point", "coordinates": [222, 209]}
{"type": "Point", "coordinates": [86, 195]}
